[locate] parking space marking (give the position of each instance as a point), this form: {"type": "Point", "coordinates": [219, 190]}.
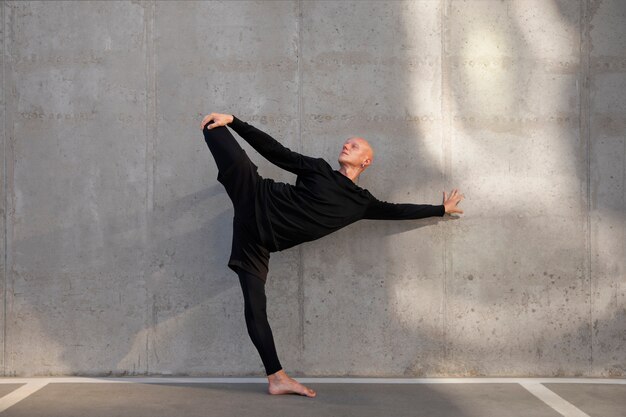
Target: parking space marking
{"type": "Point", "coordinates": [20, 393]}
{"type": "Point", "coordinates": [556, 402]}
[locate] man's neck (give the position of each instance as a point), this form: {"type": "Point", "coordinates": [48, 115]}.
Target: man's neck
{"type": "Point", "coordinates": [350, 172]}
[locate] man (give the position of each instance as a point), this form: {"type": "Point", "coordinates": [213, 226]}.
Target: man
{"type": "Point", "coordinates": [273, 216]}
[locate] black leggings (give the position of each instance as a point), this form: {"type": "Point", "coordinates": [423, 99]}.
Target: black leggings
{"type": "Point", "coordinates": [238, 175]}
{"type": "Point", "coordinates": [256, 320]}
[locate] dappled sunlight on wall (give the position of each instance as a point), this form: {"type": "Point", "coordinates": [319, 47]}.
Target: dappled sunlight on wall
{"type": "Point", "coordinates": [118, 233]}
{"type": "Point", "coordinates": [513, 106]}
{"type": "Point", "coordinates": [483, 64]}
{"type": "Point", "coordinates": [514, 281]}
{"type": "Point", "coordinates": [420, 55]}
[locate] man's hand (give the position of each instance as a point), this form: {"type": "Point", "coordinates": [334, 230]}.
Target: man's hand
{"type": "Point", "coordinates": [218, 120]}
{"type": "Point", "coordinates": [451, 202]}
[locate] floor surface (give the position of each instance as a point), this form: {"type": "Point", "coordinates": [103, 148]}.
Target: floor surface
{"type": "Point", "coordinates": [362, 397]}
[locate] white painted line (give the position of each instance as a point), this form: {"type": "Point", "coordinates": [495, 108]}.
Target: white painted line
{"type": "Point", "coordinates": [316, 380]}
{"type": "Point", "coordinates": [19, 394]}
{"type": "Point", "coordinates": [458, 380]}
{"type": "Point", "coordinates": [557, 403]}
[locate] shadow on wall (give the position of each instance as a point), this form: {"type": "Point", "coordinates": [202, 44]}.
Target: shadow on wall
{"type": "Point", "coordinates": [509, 79]}
{"type": "Point", "coordinates": [186, 292]}
{"type": "Point", "coordinates": [530, 321]}
{"type": "Point", "coordinates": [510, 97]}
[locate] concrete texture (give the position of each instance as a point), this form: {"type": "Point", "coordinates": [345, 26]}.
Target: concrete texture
{"type": "Point", "coordinates": [91, 400]}
{"type": "Point", "coordinates": [7, 388]}
{"type": "Point", "coordinates": [116, 232]}
{"type": "Point", "coordinates": [593, 399]}
{"type": "Point", "coordinates": [516, 285]}
{"type": "Point", "coordinates": [188, 397]}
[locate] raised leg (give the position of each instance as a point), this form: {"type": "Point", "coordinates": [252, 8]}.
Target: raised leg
{"type": "Point", "coordinates": [223, 145]}
{"type": "Point", "coordinates": [237, 173]}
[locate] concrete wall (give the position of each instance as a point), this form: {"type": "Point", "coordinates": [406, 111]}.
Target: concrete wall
{"type": "Point", "coordinates": [116, 233]}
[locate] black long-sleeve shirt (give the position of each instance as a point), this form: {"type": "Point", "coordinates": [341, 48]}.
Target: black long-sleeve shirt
{"type": "Point", "coordinates": [322, 201]}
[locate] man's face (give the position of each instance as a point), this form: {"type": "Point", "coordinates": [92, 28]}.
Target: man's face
{"type": "Point", "coordinates": [355, 151]}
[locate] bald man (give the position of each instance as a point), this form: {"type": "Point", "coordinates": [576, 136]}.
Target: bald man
{"type": "Point", "coordinates": [271, 216]}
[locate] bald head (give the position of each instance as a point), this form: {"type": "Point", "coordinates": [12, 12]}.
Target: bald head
{"type": "Point", "coordinates": [367, 149]}
{"type": "Point", "coordinates": [356, 152]}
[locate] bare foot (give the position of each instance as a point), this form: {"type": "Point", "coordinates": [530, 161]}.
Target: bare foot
{"type": "Point", "coordinates": [280, 383]}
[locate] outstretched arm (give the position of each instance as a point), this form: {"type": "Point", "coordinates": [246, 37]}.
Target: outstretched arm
{"type": "Point", "coordinates": [382, 210]}
{"type": "Point", "coordinates": [267, 146]}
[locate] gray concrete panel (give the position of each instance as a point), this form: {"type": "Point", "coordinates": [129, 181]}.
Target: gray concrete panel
{"type": "Point", "coordinates": [373, 290]}
{"type": "Point", "coordinates": [3, 231]}
{"type": "Point", "coordinates": [117, 233]}
{"type": "Point", "coordinates": [224, 57]}
{"type": "Point", "coordinates": [517, 290]}
{"type": "Point", "coordinates": [607, 39]}
{"type": "Point", "coordinates": [77, 187]}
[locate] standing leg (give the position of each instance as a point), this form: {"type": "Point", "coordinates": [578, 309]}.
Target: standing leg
{"type": "Point", "coordinates": [256, 320]}
{"type": "Point", "coordinates": [259, 330]}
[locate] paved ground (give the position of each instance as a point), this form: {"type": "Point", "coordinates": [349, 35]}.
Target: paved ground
{"type": "Point", "coordinates": [362, 397]}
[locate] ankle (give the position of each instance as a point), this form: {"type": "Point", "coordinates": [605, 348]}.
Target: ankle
{"type": "Point", "coordinates": [278, 375]}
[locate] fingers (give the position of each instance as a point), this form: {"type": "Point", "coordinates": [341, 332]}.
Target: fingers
{"type": "Point", "coordinates": [455, 197]}
{"type": "Point", "coordinates": [206, 120]}
{"type": "Point", "coordinates": [216, 123]}
{"type": "Point", "coordinates": [218, 120]}
{"type": "Point", "coordinates": [455, 194]}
